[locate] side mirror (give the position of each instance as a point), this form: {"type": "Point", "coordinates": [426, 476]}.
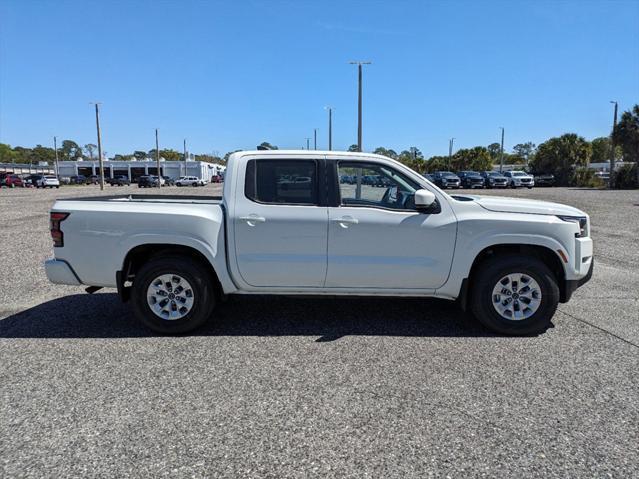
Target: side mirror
{"type": "Point", "coordinates": [424, 199]}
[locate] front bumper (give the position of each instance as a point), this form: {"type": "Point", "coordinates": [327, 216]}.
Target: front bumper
{"type": "Point", "coordinates": [571, 285]}
{"type": "Point", "coordinates": [60, 272]}
{"type": "Point", "coordinates": [522, 184]}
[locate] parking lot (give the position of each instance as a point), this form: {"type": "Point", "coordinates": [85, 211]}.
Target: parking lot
{"type": "Point", "coordinates": [296, 387]}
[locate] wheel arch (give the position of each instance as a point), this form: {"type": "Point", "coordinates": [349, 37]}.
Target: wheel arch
{"type": "Point", "coordinates": [549, 257]}
{"type": "Point", "coordinates": [141, 254]}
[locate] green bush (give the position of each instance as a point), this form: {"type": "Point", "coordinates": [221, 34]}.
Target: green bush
{"type": "Point", "coordinates": [586, 178]}
{"type": "Point", "coordinates": [626, 176]}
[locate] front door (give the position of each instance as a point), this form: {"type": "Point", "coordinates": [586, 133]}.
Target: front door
{"type": "Point", "coordinates": [376, 238]}
{"type": "Point", "coordinates": [280, 227]}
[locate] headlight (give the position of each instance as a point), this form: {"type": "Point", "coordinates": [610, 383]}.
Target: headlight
{"type": "Point", "coordinates": [582, 221]}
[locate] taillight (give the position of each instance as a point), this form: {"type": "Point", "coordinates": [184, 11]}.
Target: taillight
{"type": "Point", "coordinates": [56, 233]}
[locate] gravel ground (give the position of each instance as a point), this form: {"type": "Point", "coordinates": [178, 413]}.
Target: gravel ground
{"type": "Point", "coordinates": [283, 387]}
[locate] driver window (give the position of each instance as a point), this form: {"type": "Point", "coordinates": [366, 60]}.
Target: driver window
{"type": "Point", "coordinates": [375, 185]}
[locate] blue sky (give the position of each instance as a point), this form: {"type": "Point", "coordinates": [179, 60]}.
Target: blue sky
{"type": "Point", "coordinates": [228, 75]}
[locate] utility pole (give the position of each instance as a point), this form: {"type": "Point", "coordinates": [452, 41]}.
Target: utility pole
{"type": "Point", "coordinates": [184, 158]}
{"type": "Point", "coordinates": [308, 143]}
{"type": "Point", "coordinates": [501, 151]}
{"type": "Point", "coordinates": [611, 181]}
{"type": "Point", "coordinates": [157, 158]}
{"type": "Point", "coordinates": [359, 101]}
{"type": "Point", "coordinates": [55, 148]}
{"type": "Point", "coordinates": [97, 124]}
{"type": "Point", "coordinates": [450, 151]}
{"type": "Point", "coordinates": [330, 127]}
{"type": "Point", "coordinates": [315, 138]}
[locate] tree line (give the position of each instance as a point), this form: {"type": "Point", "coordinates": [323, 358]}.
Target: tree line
{"type": "Point", "coordinates": [567, 156]}
{"type": "Point", "coordinates": [69, 150]}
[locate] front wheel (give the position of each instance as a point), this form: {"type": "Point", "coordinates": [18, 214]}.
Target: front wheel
{"type": "Point", "coordinates": [173, 295]}
{"type": "Point", "coordinates": [514, 295]}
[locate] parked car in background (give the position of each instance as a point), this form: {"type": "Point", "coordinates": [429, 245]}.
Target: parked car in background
{"type": "Point", "coordinates": [446, 179]}
{"type": "Point", "coordinates": [93, 180]}
{"type": "Point", "coordinates": [168, 181]}
{"type": "Point", "coordinates": [78, 180]}
{"type": "Point", "coordinates": [12, 181]}
{"type": "Point", "coordinates": [189, 181]}
{"type": "Point", "coordinates": [47, 181]}
{"type": "Point", "coordinates": [494, 179]}
{"type": "Point", "coordinates": [429, 177]}
{"type": "Point", "coordinates": [544, 179]}
{"type": "Point", "coordinates": [471, 179]}
{"type": "Point", "coordinates": [216, 179]}
{"type": "Point", "coordinates": [32, 180]}
{"type": "Point", "coordinates": [517, 179]}
{"type": "Point", "coordinates": [347, 179]}
{"type": "Point", "coordinates": [149, 181]}
{"type": "Point", "coordinates": [145, 182]}
{"type": "Point", "coordinates": [119, 180]}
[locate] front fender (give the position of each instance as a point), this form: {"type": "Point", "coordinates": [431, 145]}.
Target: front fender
{"type": "Point", "coordinates": [467, 252]}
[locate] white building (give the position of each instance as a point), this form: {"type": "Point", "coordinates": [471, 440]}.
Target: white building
{"type": "Point", "coordinates": [134, 169]}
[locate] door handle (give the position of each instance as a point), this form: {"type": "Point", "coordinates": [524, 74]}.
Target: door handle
{"type": "Point", "coordinates": [344, 221]}
{"type": "Point", "coordinates": [252, 220]}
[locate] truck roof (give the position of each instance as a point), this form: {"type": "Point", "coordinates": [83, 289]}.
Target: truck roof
{"type": "Point", "coordinates": [354, 154]}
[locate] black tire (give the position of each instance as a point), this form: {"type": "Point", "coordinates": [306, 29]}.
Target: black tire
{"type": "Point", "coordinates": [201, 283]}
{"type": "Point", "coordinates": [195, 184]}
{"type": "Point", "coordinates": [489, 274]}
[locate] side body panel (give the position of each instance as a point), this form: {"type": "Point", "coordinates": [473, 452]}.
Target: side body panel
{"type": "Point", "coordinates": [99, 234]}
{"type": "Point", "coordinates": [479, 229]}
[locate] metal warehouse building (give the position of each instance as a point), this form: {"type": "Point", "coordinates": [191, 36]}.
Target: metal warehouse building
{"type": "Point", "coordinates": [135, 169]}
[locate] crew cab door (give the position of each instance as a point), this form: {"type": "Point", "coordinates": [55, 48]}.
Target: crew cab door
{"type": "Point", "coordinates": [376, 238]}
{"type": "Point", "coordinates": [280, 223]}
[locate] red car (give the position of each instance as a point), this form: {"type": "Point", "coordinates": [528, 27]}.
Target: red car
{"type": "Point", "coordinates": [12, 181]}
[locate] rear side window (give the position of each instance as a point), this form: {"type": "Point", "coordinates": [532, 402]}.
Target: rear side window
{"type": "Point", "coordinates": [292, 182]}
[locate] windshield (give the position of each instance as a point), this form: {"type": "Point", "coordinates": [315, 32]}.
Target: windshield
{"type": "Point", "coordinates": [519, 173]}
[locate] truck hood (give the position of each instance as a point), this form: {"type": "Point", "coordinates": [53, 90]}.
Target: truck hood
{"type": "Point", "coordinates": [520, 205]}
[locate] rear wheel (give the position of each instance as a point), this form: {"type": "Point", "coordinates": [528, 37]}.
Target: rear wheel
{"type": "Point", "coordinates": [173, 295]}
{"type": "Point", "coordinates": [515, 295]}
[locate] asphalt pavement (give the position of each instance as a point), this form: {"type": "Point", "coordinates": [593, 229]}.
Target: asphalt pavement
{"type": "Point", "coordinates": [299, 387]}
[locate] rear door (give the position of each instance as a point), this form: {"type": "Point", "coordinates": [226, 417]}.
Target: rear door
{"type": "Point", "coordinates": [280, 223]}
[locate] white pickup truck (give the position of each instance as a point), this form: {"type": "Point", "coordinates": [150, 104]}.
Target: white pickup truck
{"type": "Point", "coordinates": [311, 222]}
